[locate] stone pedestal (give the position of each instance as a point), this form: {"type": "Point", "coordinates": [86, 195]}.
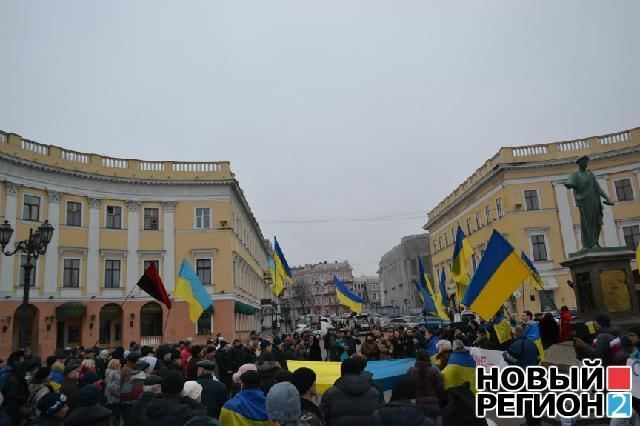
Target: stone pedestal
{"type": "Point", "coordinates": [603, 283]}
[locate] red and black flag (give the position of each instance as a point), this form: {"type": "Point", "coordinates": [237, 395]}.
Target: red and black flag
{"type": "Point", "coordinates": [152, 284]}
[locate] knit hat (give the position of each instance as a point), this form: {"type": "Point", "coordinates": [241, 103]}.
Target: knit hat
{"type": "Point", "coordinates": [173, 383]}
{"type": "Point", "coordinates": [88, 395]}
{"type": "Point", "coordinates": [243, 368]}
{"type": "Point", "coordinates": [51, 403]}
{"type": "Point", "coordinates": [42, 373]}
{"type": "Point", "coordinates": [303, 379]}
{"type": "Point", "coordinates": [283, 402]}
{"type": "Point", "coordinates": [104, 353]}
{"type": "Point", "coordinates": [250, 379]}
{"type": "Point", "coordinates": [350, 366]}
{"type": "Point", "coordinates": [403, 388]}
{"type": "Point", "coordinates": [192, 389]}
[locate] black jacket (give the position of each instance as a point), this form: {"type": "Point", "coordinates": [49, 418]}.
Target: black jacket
{"type": "Point", "coordinates": [307, 406]}
{"type": "Point", "coordinates": [44, 421]}
{"type": "Point", "coordinates": [400, 413]}
{"type": "Point", "coordinates": [170, 410]}
{"type": "Point", "coordinates": [267, 370]}
{"type": "Point", "coordinates": [214, 394]}
{"type": "Point", "coordinates": [461, 409]}
{"type": "Point", "coordinates": [279, 356]}
{"type": "Point", "coordinates": [350, 401]}
{"type": "Point", "coordinates": [93, 415]}
{"type": "Point", "coordinates": [133, 418]}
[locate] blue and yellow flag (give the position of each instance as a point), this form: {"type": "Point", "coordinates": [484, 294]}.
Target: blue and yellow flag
{"type": "Point", "coordinates": [462, 252]}
{"type": "Point", "coordinates": [431, 302]}
{"type": "Point", "coordinates": [502, 327]}
{"type": "Point", "coordinates": [346, 296]}
{"type": "Point", "coordinates": [532, 332]}
{"type": "Point", "coordinates": [420, 291]}
{"type": "Point", "coordinates": [500, 272]}
{"type": "Point", "coordinates": [443, 288]}
{"type": "Point", "coordinates": [279, 269]}
{"type": "Point", "coordinates": [461, 368]}
{"type": "Point", "coordinates": [535, 276]}
{"type": "Point", "coordinates": [190, 289]}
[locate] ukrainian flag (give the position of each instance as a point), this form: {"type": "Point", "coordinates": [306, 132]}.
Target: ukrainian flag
{"type": "Point", "coordinates": [443, 288]}
{"type": "Point", "coordinates": [500, 272]}
{"type": "Point", "coordinates": [461, 368]}
{"type": "Point", "coordinates": [429, 296]}
{"type": "Point", "coordinates": [419, 290]}
{"type": "Point", "coordinates": [462, 252]}
{"type": "Point", "coordinates": [281, 273]}
{"type": "Point", "coordinates": [537, 279]}
{"type": "Point", "coordinates": [502, 327]}
{"type": "Point", "coordinates": [532, 332]}
{"type": "Point", "coordinates": [190, 289]}
{"type": "Point", "coordinates": [346, 297]}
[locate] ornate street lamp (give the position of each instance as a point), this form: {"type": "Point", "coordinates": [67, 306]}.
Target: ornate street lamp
{"type": "Point", "coordinates": [33, 247]}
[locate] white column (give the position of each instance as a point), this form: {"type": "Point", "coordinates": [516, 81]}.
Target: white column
{"type": "Point", "coordinates": [93, 252]}
{"type": "Point", "coordinates": [133, 241]}
{"type": "Point", "coordinates": [6, 268]}
{"type": "Point", "coordinates": [52, 258]}
{"type": "Point", "coordinates": [608, 223]}
{"type": "Point", "coordinates": [168, 276]}
{"type": "Point", "coordinates": [566, 223]}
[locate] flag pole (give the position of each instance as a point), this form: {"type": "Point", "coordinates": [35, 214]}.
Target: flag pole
{"type": "Point", "coordinates": [166, 321]}
{"type": "Point", "coordinates": [128, 295]}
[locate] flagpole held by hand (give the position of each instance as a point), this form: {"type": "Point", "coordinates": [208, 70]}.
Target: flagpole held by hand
{"type": "Point", "coordinates": [165, 325]}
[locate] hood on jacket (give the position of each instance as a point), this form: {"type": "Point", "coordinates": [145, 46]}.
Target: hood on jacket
{"type": "Point", "coordinates": [401, 413]}
{"type": "Point", "coordinates": [264, 366]}
{"type": "Point", "coordinates": [353, 384]}
{"type": "Point", "coordinates": [88, 415]}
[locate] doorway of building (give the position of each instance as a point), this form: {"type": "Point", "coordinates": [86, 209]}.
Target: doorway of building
{"type": "Point", "coordinates": [25, 337]}
{"type": "Point", "coordinates": [111, 325]}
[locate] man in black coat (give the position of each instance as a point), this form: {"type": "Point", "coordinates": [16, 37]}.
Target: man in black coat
{"type": "Point", "coordinates": [214, 393]}
{"type": "Point", "coordinates": [351, 400]}
{"type": "Point", "coordinates": [151, 389]}
{"type": "Point", "coordinates": [402, 409]}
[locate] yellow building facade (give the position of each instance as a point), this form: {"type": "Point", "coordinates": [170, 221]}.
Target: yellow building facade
{"type": "Point", "coordinates": [112, 218]}
{"type": "Point", "coordinates": [520, 193]}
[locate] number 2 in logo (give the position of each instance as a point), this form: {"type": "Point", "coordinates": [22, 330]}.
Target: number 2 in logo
{"type": "Point", "coordinates": [619, 405]}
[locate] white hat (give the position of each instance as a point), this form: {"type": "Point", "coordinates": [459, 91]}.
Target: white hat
{"type": "Point", "coordinates": [192, 389]}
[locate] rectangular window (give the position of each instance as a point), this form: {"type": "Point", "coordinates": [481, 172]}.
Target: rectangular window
{"type": "Point", "coordinates": [531, 199]}
{"type": "Point", "coordinates": [203, 269]}
{"type": "Point", "coordinates": [624, 191]}
{"type": "Point", "coordinates": [478, 221]}
{"type": "Point", "coordinates": [203, 218]}
{"type": "Point", "coordinates": [446, 240]}
{"type": "Point", "coordinates": [547, 302]}
{"type": "Point", "coordinates": [151, 219]}
{"type": "Point", "coordinates": [539, 247]}
{"type": "Point", "coordinates": [468, 226]}
{"type": "Point", "coordinates": [499, 207]}
{"type": "Point", "coordinates": [114, 217]}
{"type": "Point", "coordinates": [487, 214]}
{"type": "Point", "coordinates": [31, 210]}
{"type": "Point", "coordinates": [204, 324]}
{"type": "Point", "coordinates": [71, 273]}
{"type": "Point", "coordinates": [112, 274]}
{"type": "Point", "coordinates": [148, 263]}
{"type": "Point", "coordinates": [32, 275]}
{"type": "Point", "coordinates": [74, 213]}
{"type": "Point", "coordinates": [414, 267]}
{"type": "Point", "coordinates": [631, 236]}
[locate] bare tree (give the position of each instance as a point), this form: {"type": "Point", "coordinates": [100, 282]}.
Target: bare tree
{"type": "Point", "coordinates": [301, 296]}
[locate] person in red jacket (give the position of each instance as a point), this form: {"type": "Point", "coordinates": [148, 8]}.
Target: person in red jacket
{"type": "Point", "coordinates": [565, 327]}
{"type": "Point", "coordinates": [185, 356]}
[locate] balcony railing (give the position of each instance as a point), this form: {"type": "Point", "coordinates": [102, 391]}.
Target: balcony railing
{"type": "Point", "coordinates": [614, 138]}
{"type": "Point", "coordinates": [115, 163]}
{"type": "Point", "coordinates": [74, 156]}
{"type": "Point", "coordinates": [573, 145]}
{"type": "Point", "coordinates": [152, 166]}
{"type": "Point", "coordinates": [151, 341]}
{"type": "Point", "coordinates": [530, 150]}
{"type": "Point", "coordinates": [196, 167]}
{"type": "Point", "coordinates": [36, 147]}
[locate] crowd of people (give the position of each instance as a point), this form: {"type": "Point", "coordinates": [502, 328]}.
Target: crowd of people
{"type": "Point", "coordinates": [249, 383]}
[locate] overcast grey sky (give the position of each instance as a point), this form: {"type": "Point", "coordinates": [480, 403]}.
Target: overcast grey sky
{"type": "Point", "coordinates": [327, 110]}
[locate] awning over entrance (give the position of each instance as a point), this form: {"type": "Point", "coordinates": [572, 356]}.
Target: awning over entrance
{"type": "Point", "coordinates": [243, 308]}
{"type": "Point", "coordinates": [71, 310]}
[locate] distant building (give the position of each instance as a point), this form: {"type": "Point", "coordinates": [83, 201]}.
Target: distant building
{"type": "Point", "coordinates": [398, 271]}
{"type": "Point", "coordinates": [368, 288]}
{"type": "Point", "coordinates": [313, 291]}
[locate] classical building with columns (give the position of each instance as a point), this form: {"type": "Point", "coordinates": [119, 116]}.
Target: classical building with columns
{"type": "Point", "coordinates": [114, 217]}
{"type": "Point", "coordinates": [520, 192]}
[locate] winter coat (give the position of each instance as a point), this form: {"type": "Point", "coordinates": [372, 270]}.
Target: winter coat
{"type": "Point", "coordinates": [170, 410]}
{"type": "Point", "coordinates": [310, 410]}
{"type": "Point", "coordinates": [565, 326]}
{"type": "Point", "coordinates": [95, 415]}
{"type": "Point", "coordinates": [522, 352]}
{"type": "Point", "coordinates": [185, 356]}
{"type": "Point", "coordinates": [131, 391]}
{"type": "Point", "coordinates": [267, 370]}
{"type": "Point", "coordinates": [430, 393]}
{"type": "Point", "coordinates": [601, 348]}
{"type": "Point", "coordinates": [70, 388]}
{"type": "Point", "coordinates": [384, 350]}
{"type": "Point", "coordinates": [36, 391]}
{"type": "Point", "coordinates": [279, 356]}
{"type": "Point", "coordinates": [350, 401]}
{"type": "Point", "coordinates": [461, 409]}
{"type": "Point", "coordinates": [133, 418]}
{"type": "Point", "coordinates": [351, 344]}
{"type": "Point", "coordinates": [44, 421]}
{"type": "Point", "coordinates": [370, 350]}
{"type": "Point", "coordinates": [214, 394]}
{"type": "Point", "coordinates": [400, 413]}
{"type": "Point", "coordinates": [112, 386]}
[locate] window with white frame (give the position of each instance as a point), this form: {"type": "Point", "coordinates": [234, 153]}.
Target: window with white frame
{"type": "Point", "coordinates": [32, 275]}
{"type": "Point", "coordinates": [631, 236]}
{"type": "Point", "coordinates": [74, 213]}
{"type": "Point", "coordinates": [499, 207]}
{"type": "Point", "coordinates": [112, 273]}
{"type": "Point", "coordinates": [71, 273]}
{"type": "Point", "coordinates": [539, 247]}
{"type": "Point", "coordinates": [147, 263]}
{"type": "Point", "coordinates": [624, 190]}
{"type": "Point", "coordinates": [114, 217]}
{"type": "Point", "coordinates": [204, 325]}
{"type": "Point", "coordinates": [487, 213]}
{"type": "Point", "coordinates": [478, 221]}
{"type": "Point", "coordinates": [31, 208]}
{"type": "Point", "coordinates": [531, 199]}
{"type": "Point", "coordinates": [151, 219]}
{"type": "Point", "coordinates": [203, 218]}
{"type": "Point", "coordinates": [547, 300]}
{"type": "Point", "coordinates": [203, 269]}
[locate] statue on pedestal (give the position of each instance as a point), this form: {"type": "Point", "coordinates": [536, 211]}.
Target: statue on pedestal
{"type": "Point", "coordinates": [587, 193]}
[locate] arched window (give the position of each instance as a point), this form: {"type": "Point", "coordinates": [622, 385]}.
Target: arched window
{"type": "Point", "coordinates": [151, 320]}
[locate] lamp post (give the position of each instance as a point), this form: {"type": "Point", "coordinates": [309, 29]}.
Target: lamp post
{"type": "Point", "coordinates": [33, 247]}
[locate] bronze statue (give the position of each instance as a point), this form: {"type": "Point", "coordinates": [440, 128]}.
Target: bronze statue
{"type": "Point", "coordinates": [587, 193]}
